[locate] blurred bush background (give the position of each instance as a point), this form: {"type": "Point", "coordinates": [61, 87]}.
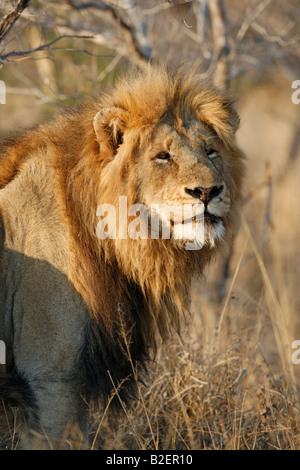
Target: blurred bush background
{"type": "Point", "coordinates": [232, 382]}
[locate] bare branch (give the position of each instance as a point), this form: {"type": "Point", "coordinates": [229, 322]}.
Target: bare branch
{"type": "Point", "coordinates": [109, 68]}
{"type": "Point", "coordinates": [135, 29]}
{"type": "Point", "coordinates": [98, 5]}
{"type": "Point", "coordinates": [200, 7]}
{"type": "Point", "coordinates": [48, 47]}
{"type": "Point", "coordinates": [107, 39]}
{"type": "Point", "coordinates": [250, 19]}
{"type": "Point", "coordinates": [275, 38]}
{"type": "Point", "coordinates": [11, 18]}
{"type": "Point", "coordinates": [221, 47]}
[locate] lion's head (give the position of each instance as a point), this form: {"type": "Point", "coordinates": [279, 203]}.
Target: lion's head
{"type": "Point", "coordinates": [170, 143]}
{"type": "Point", "coordinates": [183, 165]}
{"type": "Point", "coordinates": [162, 139]}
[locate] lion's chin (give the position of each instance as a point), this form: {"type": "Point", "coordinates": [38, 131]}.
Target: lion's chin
{"type": "Point", "coordinates": [208, 234]}
{"type": "Point", "coordinates": [213, 233]}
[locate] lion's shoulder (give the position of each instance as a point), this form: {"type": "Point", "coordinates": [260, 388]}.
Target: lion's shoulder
{"type": "Point", "coordinates": [31, 215]}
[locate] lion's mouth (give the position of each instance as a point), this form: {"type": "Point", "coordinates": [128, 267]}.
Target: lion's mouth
{"type": "Point", "coordinates": [214, 219]}
{"type": "Point", "coordinates": [206, 216]}
{"type": "Point", "coordinates": [202, 218]}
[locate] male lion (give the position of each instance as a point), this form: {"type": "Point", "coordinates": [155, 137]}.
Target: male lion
{"type": "Point", "coordinates": [77, 311]}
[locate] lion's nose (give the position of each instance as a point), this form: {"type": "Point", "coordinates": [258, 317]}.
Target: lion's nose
{"type": "Point", "coordinates": [205, 194]}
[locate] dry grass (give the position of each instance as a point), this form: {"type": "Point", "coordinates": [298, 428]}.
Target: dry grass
{"type": "Point", "coordinates": [207, 405]}
{"type": "Point", "coordinates": [215, 389]}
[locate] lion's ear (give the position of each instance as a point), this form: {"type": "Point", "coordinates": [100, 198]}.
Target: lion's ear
{"type": "Point", "coordinates": [220, 115]}
{"type": "Point", "coordinates": [109, 126]}
{"type": "Point", "coordinates": [233, 117]}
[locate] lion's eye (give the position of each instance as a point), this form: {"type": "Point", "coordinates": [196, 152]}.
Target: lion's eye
{"type": "Point", "coordinates": [211, 153]}
{"type": "Point", "coordinates": [163, 156]}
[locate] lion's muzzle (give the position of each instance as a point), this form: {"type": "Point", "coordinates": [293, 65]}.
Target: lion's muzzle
{"type": "Point", "coordinates": [205, 194]}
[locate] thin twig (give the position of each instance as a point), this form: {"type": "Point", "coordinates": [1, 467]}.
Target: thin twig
{"type": "Point", "coordinates": [124, 409]}
{"type": "Point", "coordinates": [47, 47]}
{"type": "Point", "coordinates": [267, 220]}
{"type": "Point", "coordinates": [114, 62]}
{"type": "Point", "coordinates": [11, 18]}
